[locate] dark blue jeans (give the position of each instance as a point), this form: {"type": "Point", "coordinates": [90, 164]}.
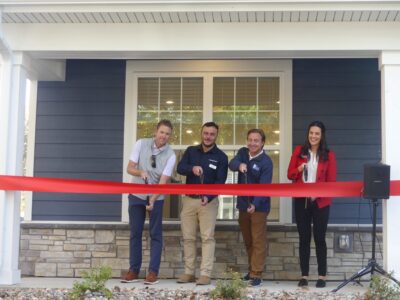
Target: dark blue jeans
{"type": "Point", "coordinates": [137, 216]}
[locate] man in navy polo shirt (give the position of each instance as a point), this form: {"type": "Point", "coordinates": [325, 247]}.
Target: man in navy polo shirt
{"type": "Point", "coordinates": [207, 164]}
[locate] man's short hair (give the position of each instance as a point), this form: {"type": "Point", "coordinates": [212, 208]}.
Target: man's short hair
{"type": "Point", "coordinates": [259, 131]}
{"type": "Point", "coordinates": [165, 122]}
{"type": "Point", "coordinates": [210, 124]}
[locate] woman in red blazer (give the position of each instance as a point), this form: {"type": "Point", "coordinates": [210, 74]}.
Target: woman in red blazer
{"type": "Point", "coordinates": [312, 162]}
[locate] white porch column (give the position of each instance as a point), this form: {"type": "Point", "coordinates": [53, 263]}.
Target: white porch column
{"type": "Point", "coordinates": [390, 85]}
{"type": "Point", "coordinates": [12, 109]}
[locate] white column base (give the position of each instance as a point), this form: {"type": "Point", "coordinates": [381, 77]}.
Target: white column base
{"type": "Point", "coordinates": [9, 277]}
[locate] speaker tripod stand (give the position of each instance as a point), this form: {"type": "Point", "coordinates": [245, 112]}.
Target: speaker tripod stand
{"type": "Point", "coordinates": [372, 265]}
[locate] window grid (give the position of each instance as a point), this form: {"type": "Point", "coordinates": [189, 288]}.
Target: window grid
{"type": "Point", "coordinates": [236, 112]}
{"type": "Point", "coordinates": [231, 148]}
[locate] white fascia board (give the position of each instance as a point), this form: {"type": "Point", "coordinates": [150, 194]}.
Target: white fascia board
{"type": "Point", "coordinates": [181, 55]}
{"type": "Point", "coordinates": [16, 6]}
{"type": "Point", "coordinates": [203, 37]}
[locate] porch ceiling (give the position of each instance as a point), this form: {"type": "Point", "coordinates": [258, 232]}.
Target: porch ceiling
{"type": "Point", "coordinates": [198, 11]}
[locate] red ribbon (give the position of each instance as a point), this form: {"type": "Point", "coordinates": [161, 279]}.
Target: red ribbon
{"type": "Point", "coordinates": [58, 185]}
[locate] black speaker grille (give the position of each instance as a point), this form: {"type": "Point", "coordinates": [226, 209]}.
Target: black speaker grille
{"type": "Point", "coordinates": [376, 181]}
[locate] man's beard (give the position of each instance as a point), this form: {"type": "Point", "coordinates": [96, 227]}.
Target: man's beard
{"type": "Point", "coordinates": [208, 146]}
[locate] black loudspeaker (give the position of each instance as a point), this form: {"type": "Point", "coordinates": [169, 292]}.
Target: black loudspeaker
{"type": "Point", "coordinates": [376, 181]}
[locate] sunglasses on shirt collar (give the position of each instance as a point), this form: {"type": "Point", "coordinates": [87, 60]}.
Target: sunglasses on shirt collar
{"type": "Point", "coordinates": [153, 161]}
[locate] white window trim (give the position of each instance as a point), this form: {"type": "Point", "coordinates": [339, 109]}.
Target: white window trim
{"type": "Point", "coordinates": [209, 69]}
{"type": "Point", "coordinates": [30, 151]}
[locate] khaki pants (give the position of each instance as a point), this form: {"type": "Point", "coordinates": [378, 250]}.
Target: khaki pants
{"type": "Point", "coordinates": [192, 214]}
{"type": "Point", "coordinates": [254, 230]}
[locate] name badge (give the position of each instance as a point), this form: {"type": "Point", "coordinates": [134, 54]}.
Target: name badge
{"type": "Point", "coordinates": [255, 167]}
{"type": "Point", "coordinates": [214, 167]}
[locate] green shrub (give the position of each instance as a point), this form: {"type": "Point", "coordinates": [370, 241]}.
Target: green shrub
{"type": "Point", "coordinates": [382, 288]}
{"type": "Point", "coordinates": [231, 287]}
{"type": "Point", "coordinates": [94, 281]}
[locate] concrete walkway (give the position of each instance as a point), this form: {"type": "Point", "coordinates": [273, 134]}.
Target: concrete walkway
{"type": "Point", "coordinates": [271, 286]}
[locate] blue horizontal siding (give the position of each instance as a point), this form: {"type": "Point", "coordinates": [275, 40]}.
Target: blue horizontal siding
{"type": "Point", "coordinates": [345, 95]}
{"type": "Point", "coordinates": [79, 164]}
{"type": "Point", "coordinates": [341, 93]}
{"type": "Point", "coordinates": [77, 94]}
{"type": "Point", "coordinates": [112, 176]}
{"type": "Point", "coordinates": [79, 135]}
{"type": "Point", "coordinates": [79, 108]}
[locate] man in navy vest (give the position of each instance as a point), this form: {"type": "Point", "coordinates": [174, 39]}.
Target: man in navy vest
{"type": "Point", "coordinates": [207, 164]}
{"type": "Point", "coordinates": [152, 161]}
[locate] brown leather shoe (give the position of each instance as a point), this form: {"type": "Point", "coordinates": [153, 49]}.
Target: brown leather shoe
{"type": "Point", "coordinates": [203, 280]}
{"type": "Point", "coordinates": [151, 278]}
{"type": "Point", "coordinates": [130, 277]}
{"type": "Point", "coordinates": [186, 278]}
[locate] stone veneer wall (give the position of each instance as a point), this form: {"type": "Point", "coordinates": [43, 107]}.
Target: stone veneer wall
{"type": "Point", "coordinates": [63, 250]}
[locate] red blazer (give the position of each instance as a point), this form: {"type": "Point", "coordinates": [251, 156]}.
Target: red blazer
{"type": "Point", "coordinates": [326, 172]}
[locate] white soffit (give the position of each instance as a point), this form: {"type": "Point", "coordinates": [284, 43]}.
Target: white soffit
{"type": "Point", "coordinates": [197, 11]}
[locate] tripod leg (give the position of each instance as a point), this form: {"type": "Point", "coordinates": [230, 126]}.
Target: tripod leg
{"type": "Point", "coordinates": [359, 274]}
{"type": "Point", "coordinates": [381, 271]}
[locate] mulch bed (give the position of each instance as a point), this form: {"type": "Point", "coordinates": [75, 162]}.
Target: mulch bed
{"type": "Point", "coordinates": [170, 294]}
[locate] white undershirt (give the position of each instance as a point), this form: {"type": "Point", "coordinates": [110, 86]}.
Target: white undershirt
{"type": "Point", "coordinates": [312, 166]}
{"type": "Point", "coordinates": [251, 157]}
{"type": "Point", "coordinates": [169, 167]}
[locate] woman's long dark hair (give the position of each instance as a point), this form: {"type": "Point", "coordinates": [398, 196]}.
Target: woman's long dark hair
{"type": "Point", "coordinates": [323, 150]}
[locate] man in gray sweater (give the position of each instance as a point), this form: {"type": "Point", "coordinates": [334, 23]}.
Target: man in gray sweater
{"type": "Point", "coordinates": [152, 161]}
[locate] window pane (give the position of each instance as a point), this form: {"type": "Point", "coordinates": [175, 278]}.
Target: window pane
{"type": "Point", "coordinates": [191, 125]}
{"type": "Point", "coordinates": [225, 123]}
{"type": "Point", "coordinates": [147, 94]}
{"type": "Point", "coordinates": [172, 203]}
{"type": "Point", "coordinates": [246, 93]}
{"type": "Point", "coordinates": [244, 122]}
{"type": "Point", "coordinates": [170, 98]}
{"type": "Point", "coordinates": [227, 203]}
{"type": "Point", "coordinates": [170, 94]}
{"type": "Point", "coordinates": [192, 94]}
{"type": "Point", "coordinates": [223, 94]}
{"type": "Point", "coordinates": [268, 93]}
{"type": "Point", "coordinates": [253, 109]}
{"type": "Point", "coordinates": [145, 124]}
{"type": "Point", "coordinates": [274, 213]}
{"type": "Point", "coordinates": [192, 114]}
{"type": "Point", "coordinates": [269, 122]}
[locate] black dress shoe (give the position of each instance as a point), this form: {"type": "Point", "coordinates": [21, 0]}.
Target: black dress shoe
{"type": "Point", "coordinates": [246, 277]}
{"type": "Point", "coordinates": [303, 282]}
{"type": "Point", "coordinates": [320, 283]}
